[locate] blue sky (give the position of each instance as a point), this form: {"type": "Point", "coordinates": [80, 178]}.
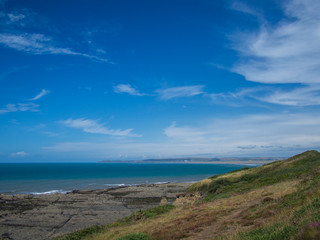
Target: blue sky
{"type": "Point", "coordinates": [95, 80]}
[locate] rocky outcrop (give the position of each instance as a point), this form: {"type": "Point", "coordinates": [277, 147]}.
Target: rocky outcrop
{"type": "Point", "coordinates": [45, 216]}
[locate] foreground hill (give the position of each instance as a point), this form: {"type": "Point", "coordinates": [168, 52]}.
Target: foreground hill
{"type": "Point", "coordinates": [280, 200]}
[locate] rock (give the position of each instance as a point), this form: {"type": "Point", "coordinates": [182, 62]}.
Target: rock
{"type": "Point", "coordinates": [164, 201]}
{"type": "Point", "coordinates": [45, 216]}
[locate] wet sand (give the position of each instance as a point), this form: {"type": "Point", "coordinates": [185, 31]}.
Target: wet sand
{"type": "Point", "coordinates": [46, 216]}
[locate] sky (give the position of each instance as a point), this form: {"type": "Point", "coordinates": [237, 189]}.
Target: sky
{"type": "Point", "coordinates": [120, 79]}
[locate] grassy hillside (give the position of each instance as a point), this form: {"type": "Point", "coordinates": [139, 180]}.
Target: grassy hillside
{"type": "Point", "coordinates": [277, 201]}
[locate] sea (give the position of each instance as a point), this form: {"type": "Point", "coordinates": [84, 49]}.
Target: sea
{"type": "Point", "coordinates": [48, 178]}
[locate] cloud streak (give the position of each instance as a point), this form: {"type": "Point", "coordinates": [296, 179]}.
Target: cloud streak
{"type": "Point", "coordinates": [92, 126]}
{"type": "Point", "coordinates": [20, 107]}
{"type": "Point", "coordinates": [285, 53]}
{"type": "Point", "coordinates": [15, 35]}
{"type": "Point", "coordinates": [178, 92]}
{"type": "Point", "coordinates": [37, 44]}
{"type": "Point", "coordinates": [40, 95]}
{"type": "Point", "coordinates": [19, 154]}
{"type": "Point", "coordinates": [127, 88]}
{"type": "Point", "coordinates": [251, 135]}
{"type": "Point", "coordinates": [296, 96]}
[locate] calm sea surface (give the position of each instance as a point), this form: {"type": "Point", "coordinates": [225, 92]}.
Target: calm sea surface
{"type": "Point", "coordinates": [63, 177]}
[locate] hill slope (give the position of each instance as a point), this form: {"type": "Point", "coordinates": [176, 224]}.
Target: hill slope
{"type": "Point", "coordinates": [280, 200]}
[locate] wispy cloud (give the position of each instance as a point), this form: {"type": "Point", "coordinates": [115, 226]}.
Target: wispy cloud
{"type": "Point", "coordinates": [287, 52]}
{"type": "Point", "coordinates": [35, 43]}
{"type": "Point", "coordinates": [92, 126]}
{"type": "Point", "coordinates": [16, 34]}
{"type": "Point", "coordinates": [16, 17]}
{"type": "Point", "coordinates": [40, 95]}
{"type": "Point", "coordinates": [19, 154]}
{"type": "Point", "coordinates": [244, 8]}
{"type": "Point", "coordinates": [251, 135]}
{"type": "Point", "coordinates": [184, 91]}
{"type": "Point", "coordinates": [20, 107]}
{"type": "Point", "coordinates": [127, 88]}
{"type": "Point", "coordinates": [301, 96]}
{"type": "Point", "coordinates": [296, 96]}
{"type": "Point", "coordinates": [184, 133]}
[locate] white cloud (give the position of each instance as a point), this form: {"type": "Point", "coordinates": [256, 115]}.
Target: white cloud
{"type": "Point", "coordinates": [127, 88]}
{"type": "Point", "coordinates": [298, 96]}
{"type": "Point", "coordinates": [20, 107]}
{"type": "Point", "coordinates": [92, 126]}
{"type": "Point", "coordinates": [19, 38]}
{"type": "Point", "coordinates": [252, 135]}
{"type": "Point", "coordinates": [36, 44]}
{"type": "Point", "coordinates": [302, 96]}
{"type": "Point", "coordinates": [184, 133]}
{"type": "Point", "coordinates": [184, 91]}
{"type": "Point", "coordinates": [287, 52]}
{"type": "Point", "coordinates": [15, 17]}
{"type": "Point", "coordinates": [19, 154]}
{"type": "Point", "coordinates": [40, 95]}
{"type": "Point", "coordinates": [242, 7]}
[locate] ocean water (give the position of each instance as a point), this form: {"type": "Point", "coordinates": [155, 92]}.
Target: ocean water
{"type": "Point", "coordinates": [46, 178]}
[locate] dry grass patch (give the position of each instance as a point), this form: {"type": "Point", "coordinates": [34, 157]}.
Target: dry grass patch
{"type": "Point", "coordinates": [244, 212]}
{"type": "Point", "coordinates": [210, 219]}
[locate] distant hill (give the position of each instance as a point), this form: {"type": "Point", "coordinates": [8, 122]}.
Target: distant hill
{"type": "Point", "coordinates": [225, 159]}
{"type": "Point", "coordinates": [230, 160]}
{"type": "Point", "coordinates": [276, 201]}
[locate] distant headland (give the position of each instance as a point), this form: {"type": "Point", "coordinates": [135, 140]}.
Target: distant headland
{"type": "Point", "coordinates": [204, 160]}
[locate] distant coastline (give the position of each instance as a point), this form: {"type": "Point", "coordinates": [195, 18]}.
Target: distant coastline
{"type": "Point", "coordinates": [199, 160]}
{"type": "Point", "coordinates": [65, 177]}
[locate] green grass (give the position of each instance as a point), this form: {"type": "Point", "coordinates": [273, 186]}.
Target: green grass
{"type": "Point", "coordinates": [258, 177]}
{"type": "Point", "coordinates": [304, 223]}
{"type": "Point", "coordinates": [143, 214]}
{"type": "Point", "coordinates": [274, 232]}
{"type": "Point", "coordinates": [136, 236]}
{"type": "Point", "coordinates": [137, 216]}
{"type": "Point", "coordinates": [82, 234]}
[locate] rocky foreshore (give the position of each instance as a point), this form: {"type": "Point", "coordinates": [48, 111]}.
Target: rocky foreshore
{"type": "Point", "coordinates": [46, 216]}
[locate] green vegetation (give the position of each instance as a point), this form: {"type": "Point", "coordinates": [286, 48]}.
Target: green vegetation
{"type": "Point", "coordinates": [143, 214]}
{"type": "Point", "coordinates": [134, 217]}
{"type": "Point", "coordinates": [136, 236]}
{"type": "Point", "coordinates": [259, 177]}
{"type": "Point", "coordinates": [82, 234]}
{"type": "Point", "coordinates": [277, 201]}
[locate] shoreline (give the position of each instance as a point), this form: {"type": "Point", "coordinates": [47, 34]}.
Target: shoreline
{"type": "Point", "coordinates": [95, 190]}
{"type": "Point", "coordinates": [44, 178]}
{"type": "Point", "coordinates": [43, 216]}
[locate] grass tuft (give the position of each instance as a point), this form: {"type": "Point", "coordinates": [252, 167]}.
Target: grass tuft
{"type": "Point", "coordinates": [82, 234]}
{"type": "Point", "coordinates": [136, 236]}
{"type": "Point", "coordinates": [143, 214]}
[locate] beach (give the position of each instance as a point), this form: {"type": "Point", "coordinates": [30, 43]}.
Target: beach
{"type": "Point", "coordinates": [44, 216]}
